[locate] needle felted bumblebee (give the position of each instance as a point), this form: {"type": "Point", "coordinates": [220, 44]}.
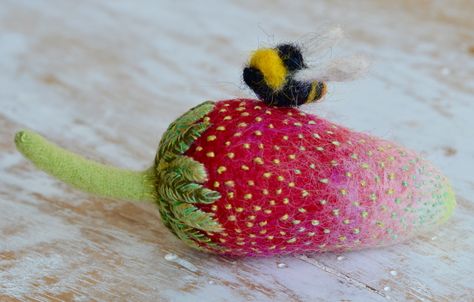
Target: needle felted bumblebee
{"type": "Point", "coordinates": [244, 177]}
{"type": "Point", "coordinates": [270, 74]}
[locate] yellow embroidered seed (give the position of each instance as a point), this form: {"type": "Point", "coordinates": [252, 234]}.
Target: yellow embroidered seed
{"type": "Point", "coordinates": [324, 180]}
{"type": "Point", "coordinates": [364, 165]}
{"type": "Point", "coordinates": [267, 174]}
{"type": "Point", "coordinates": [260, 146]}
{"type": "Point", "coordinates": [312, 166]}
{"type": "Point", "coordinates": [262, 223]}
{"type": "Point", "coordinates": [214, 208]}
{"type": "Point", "coordinates": [292, 156]}
{"type": "Point", "coordinates": [257, 107]}
{"type": "Point", "coordinates": [285, 137]}
{"type": "Point", "coordinates": [346, 221]}
{"type": "Point", "coordinates": [283, 233]}
{"type": "Point", "coordinates": [289, 113]}
{"type": "Point", "coordinates": [241, 108]}
{"type": "Point", "coordinates": [298, 124]}
{"type": "Point", "coordinates": [248, 196]}
{"type": "Point", "coordinates": [249, 224]}
{"type": "Point", "coordinates": [199, 148]}
{"type": "Point", "coordinates": [280, 178]}
{"type": "Point", "coordinates": [323, 201]}
{"type": "Point", "coordinates": [315, 222]}
{"type": "Point", "coordinates": [348, 174]}
{"type": "Point", "coordinates": [246, 146]}
{"type": "Point", "coordinates": [230, 155]}
{"type": "Point", "coordinates": [220, 128]}
{"type": "Point", "coordinates": [239, 210]}
{"type": "Point", "coordinates": [223, 110]}
{"type": "Point", "coordinates": [245, 114]}
{"type": "Point", "coordinates": [216, 184]}
{"type": "Point", "coordinates": [251, 183]}
{"type": "Point", "coordinates": [228, 206]}
{"type": "Point", "coordinates": [279, 191]}
{"type": "Point", "coordinates": [222, 240]}
{"type": "Point", "coordinates": [206, 119]}
{"type": "Point", "coordinates": [300, 136]}
{"type": "Point", "coordinates": [292, 240]}
{"type": "Point", "coordinates": [242, 125]}
{"type": "Point", "coordinates": [320, 148]}
{"type": "Point", "coordinates": [335, 212]}
{"type": "Point", "coordinates": [221, 169]}
{"type": "Point", "coordinates": [286, 201]}
{"type": "Point", "coordinates": [291, 184]}
{"type": "Point", "coordinates": [327, 231]}
{"type": "Point", "coordinates": [230, 183]}
{"type": "Point", "coordinates": [315, 135]}
{"type": "Point", "coordinates": [258, 160]}
{"type": "Point", "coordinates": [251, 217]}
{"type": "Point", "coordinates": [227, 118]}
{"type": "Point", "coordinates": [210, 154]}
{"type": "Point", "coordinates": [336, 143]}
{"type": "Point", "coordinates": [272, 202]}
{"type": "Point", "coordinates": [271, 126]}
{"type": "Point", "coordinates": [263, 232]}
{"type": "Point", "coordinates": [276, 147]}
{"type": "Point", "coordinates": [258, 133]}
{"type": "Point", "coordinates": [276, 161]}
{"type": "Point", "coordinates": [265, 192]}
{"type": "Point", "coordinates": [356, 231]}
{"type": "Point", "coordinates": [296, 221]}
{"type": "Point", "coordinates": [311, 122]}
{"type": "Point", "coordinates": [230, 195]}
{"type": "Point", "coordinates": [232, 218]}
{"type": "Point", "coordinates": [343, 192]}
{"type": "Point", "coordinates": [302, 210]}
{"type": "Point", "coordinates": [257, 208]}
{"type": "Point", "coordinates": [271, 238]}
{"type": "Point", "coordinates": [245, 167]}
{"type": "Point", "coordinates": [364, 214]}
{"type": "Point", "coordinates": [311, 234]}
{"type": "Point", "coordinates": [236, 134]}
{"type": "Point", "coordinates": [342, 238]}
{"type": "Point", "coordinates": [267, 211]}
{"type": "Point", "coordinates": [284, 217]}
{"type": "Point", "coordinates": [268, 112]}
{"type": "Point", "coordinates": [211, 138]}
{"type": "Point", "coordinates": [227, 143]}
{"type": "Point", "coordinates": [304, 193]}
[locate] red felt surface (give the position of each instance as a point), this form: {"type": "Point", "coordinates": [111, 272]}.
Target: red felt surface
{"type": "Point", "coordinates": [292, 182]}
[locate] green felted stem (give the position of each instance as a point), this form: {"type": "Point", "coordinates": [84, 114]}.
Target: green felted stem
{"type": "Point", "coordinates": [84, 174]}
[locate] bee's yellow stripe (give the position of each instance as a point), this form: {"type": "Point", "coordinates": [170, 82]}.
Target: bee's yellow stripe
{"type": "Point", "coordinates": [314, 93]}
{"type": "Point", "coordinates": [268, 61]}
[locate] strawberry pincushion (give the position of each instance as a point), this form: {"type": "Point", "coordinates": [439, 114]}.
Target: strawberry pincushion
{"type": "Point", "coordinates": [291, 182]}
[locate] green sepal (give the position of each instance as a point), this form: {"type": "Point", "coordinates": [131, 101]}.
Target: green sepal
{"type": "Point", "coordinates": [180, 178]}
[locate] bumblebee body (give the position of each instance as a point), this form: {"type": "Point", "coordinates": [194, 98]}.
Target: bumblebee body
{"type": "Point", "coordinates": [270, 74]}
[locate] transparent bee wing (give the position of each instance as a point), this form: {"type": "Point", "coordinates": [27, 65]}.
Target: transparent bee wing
{"type": "Point", "coordinates": [317, 45]}
{"type": "Point", "coordinates": [336, 70]}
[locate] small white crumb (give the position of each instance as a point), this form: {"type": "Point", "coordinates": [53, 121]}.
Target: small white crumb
{"type": "Point", "coordinates": [387, 288]}
{"type": "Point", "coordinates": [393, 273]}
{"type": "Point", "coordinates": [434, 237]}
{"type": "Point", "coordinates": [281, 265]}
{"type": "Point", "coordinates": [340, 258]}
{"type": "Point", "coordinates": [171, 257]}
{"type": "Point", "coordinates": [211, 282]}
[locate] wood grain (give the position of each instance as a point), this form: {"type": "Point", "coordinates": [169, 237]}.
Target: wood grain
{"type": "Point", "coordinates": [106, 78]}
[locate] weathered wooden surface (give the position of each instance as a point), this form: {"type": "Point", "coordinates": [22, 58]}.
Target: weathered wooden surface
{"type": "Point", "coordinates": [106, 78]}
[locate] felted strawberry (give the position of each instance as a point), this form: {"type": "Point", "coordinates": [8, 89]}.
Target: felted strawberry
{"type": "Point", "coordinates": [242, 177]}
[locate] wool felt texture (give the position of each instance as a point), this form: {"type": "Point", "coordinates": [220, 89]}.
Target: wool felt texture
{"type": "Point", "coordinates": [83, 174]}
{"type": "Point", "coordinates": [292, 182]}
{"type": "Point", "coordinates": [241, 178]}
{"type": "Point", "coordinates": [271, 75]}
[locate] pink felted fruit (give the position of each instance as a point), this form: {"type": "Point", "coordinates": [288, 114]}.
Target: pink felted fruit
{"type": "Point", "coordinates": [291, 182]}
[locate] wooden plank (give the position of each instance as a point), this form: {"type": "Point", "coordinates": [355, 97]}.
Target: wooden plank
{"type": "Point", "coordinates": [106, 79]}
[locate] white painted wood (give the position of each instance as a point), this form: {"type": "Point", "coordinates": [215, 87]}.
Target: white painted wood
{"type": "Point", "coordinates": [106, 78]}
